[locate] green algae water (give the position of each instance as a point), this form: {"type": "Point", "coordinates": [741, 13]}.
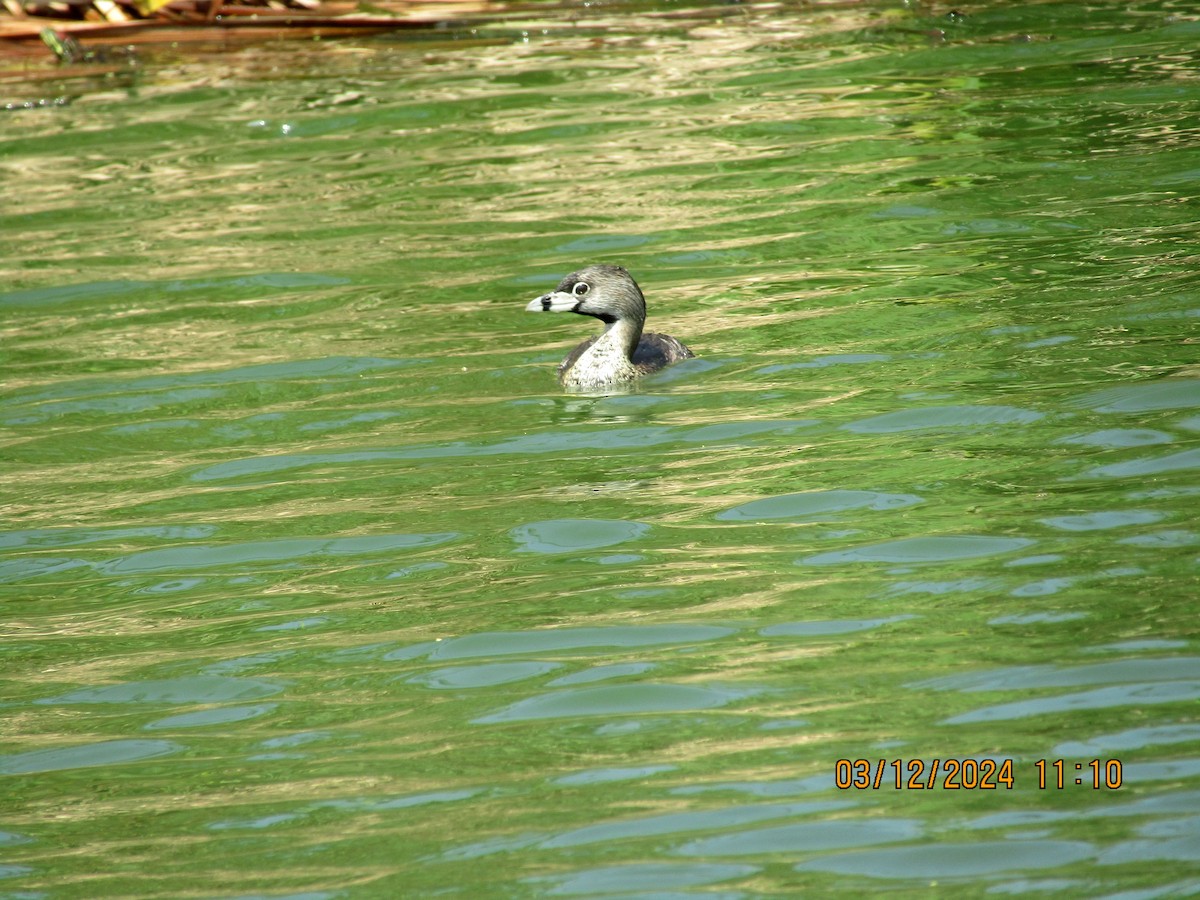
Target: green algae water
{"type": "Point", "coordinates": [315, 585]}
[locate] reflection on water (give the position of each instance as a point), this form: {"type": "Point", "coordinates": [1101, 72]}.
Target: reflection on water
{"type": "Point", "coordinates": [309, 562]}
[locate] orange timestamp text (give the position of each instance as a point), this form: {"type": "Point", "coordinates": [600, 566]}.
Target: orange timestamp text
{"type": "Point", "coordinates": [971, 774]}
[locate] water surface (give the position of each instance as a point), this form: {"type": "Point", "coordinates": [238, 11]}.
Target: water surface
{"type": "Point", "coordinates": [316, 585]}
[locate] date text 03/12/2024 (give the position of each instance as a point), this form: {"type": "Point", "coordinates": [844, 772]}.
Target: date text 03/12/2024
{"type": "Point", "coordinates": [972, 774]}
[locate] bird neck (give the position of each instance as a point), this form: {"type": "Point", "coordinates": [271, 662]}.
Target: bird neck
{"type": "Point", "coordinates": [622, 335]}
{"type": "Point", "coordinates": [608, 360]}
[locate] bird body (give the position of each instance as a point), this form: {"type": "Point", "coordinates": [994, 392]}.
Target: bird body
{"type": "Point", "coordinates": [622, 353]}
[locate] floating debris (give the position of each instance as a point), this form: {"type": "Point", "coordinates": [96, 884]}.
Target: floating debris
{"type": "Point", "coordinates": [70, 28]}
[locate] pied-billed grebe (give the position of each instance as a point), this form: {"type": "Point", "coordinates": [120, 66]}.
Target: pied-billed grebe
{"type": "Point", "coordinates": [622, 353]}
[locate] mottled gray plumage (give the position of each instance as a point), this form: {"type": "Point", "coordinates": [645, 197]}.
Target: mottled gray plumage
{"type": "Point", "coordinates": [622, 353]}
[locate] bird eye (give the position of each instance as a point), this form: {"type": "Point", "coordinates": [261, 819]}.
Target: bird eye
{"type": "Point", "coordinates": [581, 288]}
